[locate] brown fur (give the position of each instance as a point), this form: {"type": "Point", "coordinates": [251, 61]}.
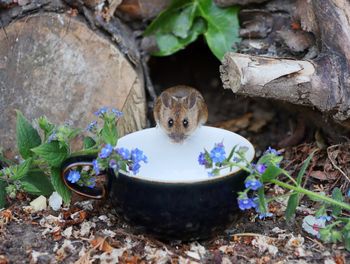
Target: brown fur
{"type": "Point", "coordinates": [179, 103]}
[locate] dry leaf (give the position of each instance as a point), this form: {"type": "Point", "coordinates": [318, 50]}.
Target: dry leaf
{"type": "Point", "coordinates": [101, 244]}
{"type": "Point", "coordinates": [236, 124]}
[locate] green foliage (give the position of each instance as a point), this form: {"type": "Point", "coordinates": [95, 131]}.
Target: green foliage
{"type": "Point", "coordinates": [338, 196]}
{"type": "Point", "coordinates": [3, 185]}
{"type": "Point", "coordinates": [109, 133]}
{"type": "Point", "coordinates": [59, 185]}
{"type": "Point", "coordinates": [21, 170]}
{"type": "Point", "coordinates": [27, 136]}
{"type": "Point", "coordinates": [293, 200]}
{"type": "Point", "coordinates": [185, 20]}
{"type": "Point", "coordinates": [52, 153]}
{"type": "Point", "coordinates": [88, 142]}
{"type": "Point", "coordinates": [37, 182]}
{"type": "Point", "coordinates": [271, 173]}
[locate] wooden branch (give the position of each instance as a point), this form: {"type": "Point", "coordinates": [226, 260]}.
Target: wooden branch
{"type": "Point", "coordinates": [322, 83]}
{"type": "Point", "coordinates": [295, 81]}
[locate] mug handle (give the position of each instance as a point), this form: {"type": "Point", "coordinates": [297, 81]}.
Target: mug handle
{"type": "Point", "coordinates": [82, 161]}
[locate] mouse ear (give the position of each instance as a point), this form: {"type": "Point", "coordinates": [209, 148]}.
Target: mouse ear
{"type": "Point", "coordinates": [191, 100]}
{"type": "Point", "coordinates": [166, 99]}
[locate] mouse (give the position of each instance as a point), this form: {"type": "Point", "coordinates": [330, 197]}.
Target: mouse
{"type": "Point", "coordinates": [179, 111]}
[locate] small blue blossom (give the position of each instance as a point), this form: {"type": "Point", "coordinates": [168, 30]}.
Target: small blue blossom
{"type": "Point", "coordinates": [73, 176]}
{"type": "Point", "coordinates": [91, 126]}
{"type": "Point", "coordinates": [272, 151]}
{"type": "Point", "coordinates": [246, 203]}
{"type": "Point", "coordinates": [261, 168]}
{"type": "Point", "coordinates": [106, 151]}
{"type": "Point", "coordinates": [101, 111]}
{"type": "Point", "coordinates": [91, 182]}
{"type": "Point", "coordinates": [137, 156]}
{"type": "Point", "coordinates": [96, 167]}
{"type": "Point", "coordinates": [325, 218]}
{"type": "Point", "coordinates": [218, 153]}
{"type": "Point", "coordinates": [201, 159]}
{"type": "Point", "coordinates": [113, 164]}
{"type": "Point", "coordinates": [124, 153]}
{"type": "Point", "coordinates": [264, 215]}
{"type": "Point", "coordinates": [117, 113]}
{"type": "Point", "coordinates": [348, 194]}
{"type": "Point", "coordinates": [253, 184]}
{"type": "Point", "coordinates": [52, 137]}
{"type": "Point", "coordinates": [135, 168]}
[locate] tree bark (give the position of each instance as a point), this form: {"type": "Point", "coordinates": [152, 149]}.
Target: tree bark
{"type": "Point", "coordinates": [322, 83]}
{"type": "Point", "coordinates": [54, 64]}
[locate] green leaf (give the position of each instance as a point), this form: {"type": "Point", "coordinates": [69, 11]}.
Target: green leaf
{"type": "Point", "coordinates": [88, 142]}
{"type": "Point", "coordinates": [346, 236]}
{"type": "Point", "coordinates": [271, 173]}
{"type": "Point", "coordinates": [169, 43]}
{"type": "Point", "coordinates": [109, 133]}
{"type": "Point", "coordinates": [292, 205]}
{"type": "Point", "coordinates": [37, 182]}
{"type": "Point", "coordinates": [46, 126]}
{"type": "Point", "coordinates": [3, 185]}
{"type": "Point", "coordinates": [21, 170]}
{"type": "Point", "coordinates": [27, 136]}
{"type": "Point", "coordinates": [303, 168]}
{"type": "Point", "coordinates": [182, 22]}
{"type": "Point", "coordinates": [52, 153]}
{"type": "Point", "coordinates": [59, 186]}
{"type": "Point", "coordinates": [165, 20]}
{"type": "Point", "coordinates": [336, 236]}
{"type": "Point", "coordinates": [338, 196]}
{"type": "Point", "coordinates": [223, 26]}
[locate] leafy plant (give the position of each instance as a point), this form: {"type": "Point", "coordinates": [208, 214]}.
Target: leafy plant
{"type": "Point", "coordinates": [267, 170]}
{"type": "Point", "coordinates": [38, 172]}
{"type": "Point", "coordinates": [184, 20]}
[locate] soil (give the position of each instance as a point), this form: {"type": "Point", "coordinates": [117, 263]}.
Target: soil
{"type": "Point", "coordinates": [91, 232]}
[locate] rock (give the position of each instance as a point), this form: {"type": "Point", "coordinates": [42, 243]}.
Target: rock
{"type": "Point", "coordinates": [38, 204]}
{"type": "Point", "coordinates": [55, 65]}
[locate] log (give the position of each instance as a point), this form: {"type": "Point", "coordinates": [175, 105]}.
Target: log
{"type": "Point", "coordinates": [321, 83]}
{"type": "Point", "coordinates": [54, 64]}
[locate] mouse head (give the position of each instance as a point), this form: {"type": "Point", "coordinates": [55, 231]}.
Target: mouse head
{"type": "Point", "coordinates": [179, 116]}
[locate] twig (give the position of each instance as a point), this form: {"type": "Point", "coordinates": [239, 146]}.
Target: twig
{"type": "Point", "coordinates": [333, 162]}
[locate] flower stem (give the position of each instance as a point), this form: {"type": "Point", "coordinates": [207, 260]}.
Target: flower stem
{"type": "Point", "coordinates": [311, 194]}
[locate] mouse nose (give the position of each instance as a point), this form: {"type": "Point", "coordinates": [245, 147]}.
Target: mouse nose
{"type": "Point", "coordinates": [178, 137]}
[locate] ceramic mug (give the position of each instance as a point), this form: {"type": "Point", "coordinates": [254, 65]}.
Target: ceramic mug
{"type": "Point", "coordinates": [168, 203]}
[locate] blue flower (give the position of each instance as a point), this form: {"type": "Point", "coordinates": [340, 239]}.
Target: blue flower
{"type": "Point", "coordinates": [272, 151]}
{"type": "Point", "coordinates": [52, 137]}
{"type": "Point", "coordinates": [106, 151]}
{"type": "Point", "coordinates": [245, 203]}
{"type": "Point", "coordinates": [124, 153]}
{"type": "Point", "coordinates": [113, 164]}
{"type": "Point", "coordinates": [73, 176]}
{"type": "Point", "coordinates": [325, 218]}
{"type": "Point", "coordinates": [348, 194]}
{"type": "Point", "coordinates": [261, 168]}
{"type": "Point", "coordinates": [117, 113]}
{"type": "Point", "coordinates": [101, 111]}
{"type": "Point", "coordinates": [135, 167]}
{"type": "Point", "coordinates": [217, 154]}
{"type": "Point", "coordinates": [137, 156]}
{"type": "Point", "coordinates": [91, 126]}
{"type": "Point", "coordinates": [201, 159]}
{"type": "Point", "coordinates": [264, 215]}
{"type": "Point", "coordinates": [91, 182]}
{"type": "Point", "coordinates": [253, 184]}
{"type": "Point", "coordinates": [96, 167]}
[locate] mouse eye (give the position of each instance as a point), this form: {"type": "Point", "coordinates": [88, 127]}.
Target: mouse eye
{"type": "Point", "coordinates": [185, 122]}
{"type": "Point", "coordinates": [170, 122]}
